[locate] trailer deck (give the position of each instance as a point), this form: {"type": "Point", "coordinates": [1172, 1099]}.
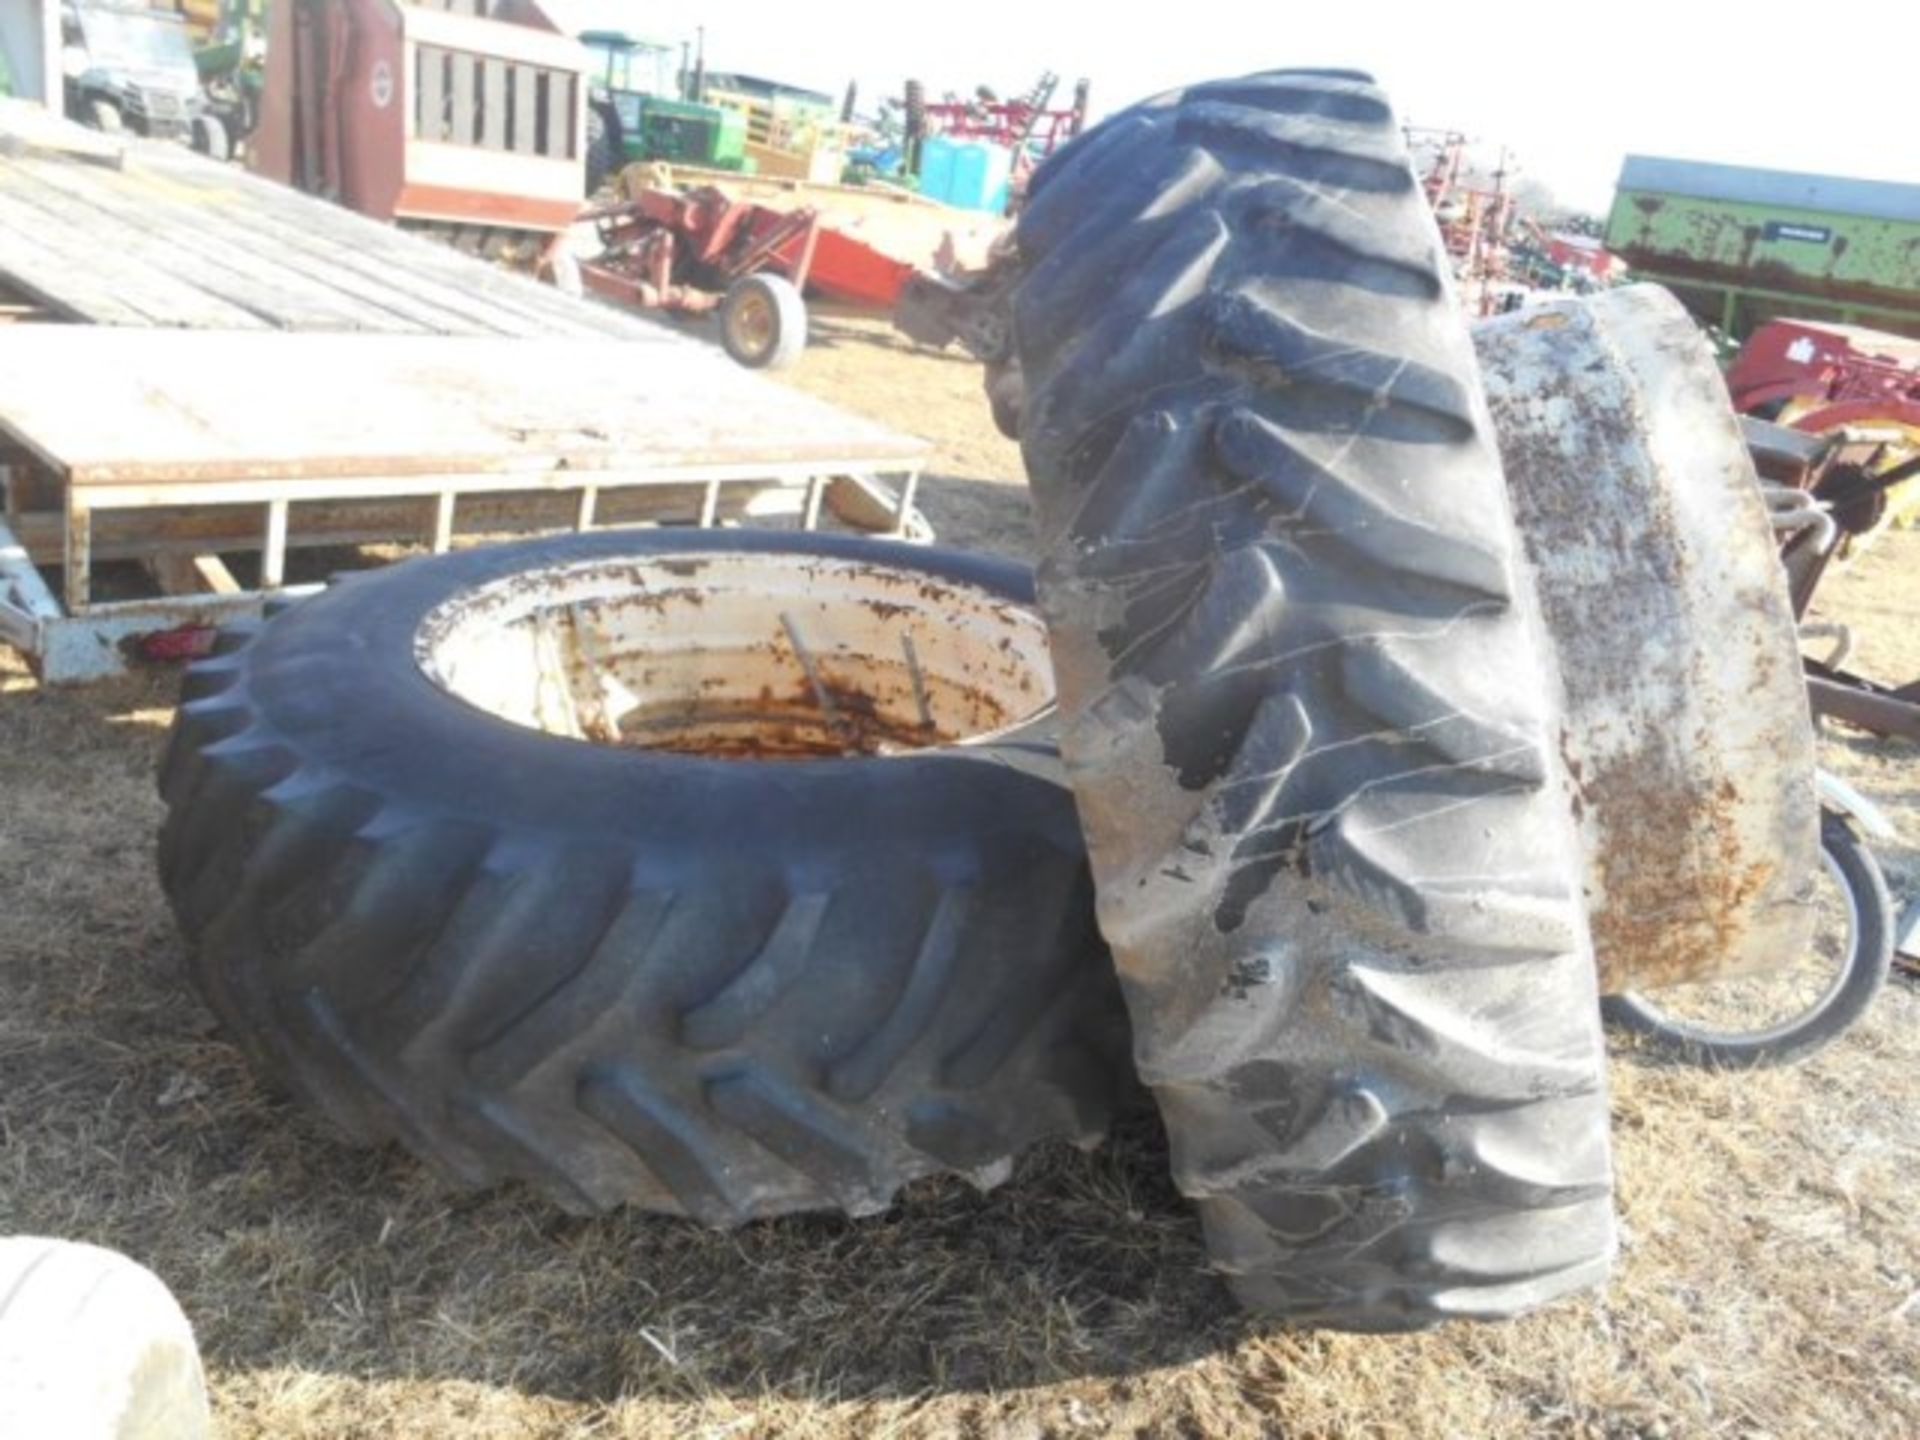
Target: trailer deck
{"type": "Point", "coordinates": [243, 368]}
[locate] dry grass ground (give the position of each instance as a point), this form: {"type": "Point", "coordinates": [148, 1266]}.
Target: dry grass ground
{"type": "Point", "coordinates": [1770, 1284]}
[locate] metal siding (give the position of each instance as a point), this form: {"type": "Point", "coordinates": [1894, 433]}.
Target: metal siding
{"type": "Point", "coordinates": [1876, 199]}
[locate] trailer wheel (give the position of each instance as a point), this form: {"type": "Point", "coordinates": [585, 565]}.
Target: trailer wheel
{"type": "Point", "coordinates": [93, 1346]}
{"type": "Point", "coordinates": [723, 874]}
{"type": "Point", "coordinates": [1308, 708]}
{"type": "Point", "coordinates": [763, 322]}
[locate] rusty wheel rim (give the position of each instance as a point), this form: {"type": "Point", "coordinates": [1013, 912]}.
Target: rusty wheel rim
{"type": "Point", "coordinates": [752, 324]}
{"type": "Point", "coordinates": [1757, 1009]}
{"type": "Point", "coordinates": [743, 655]}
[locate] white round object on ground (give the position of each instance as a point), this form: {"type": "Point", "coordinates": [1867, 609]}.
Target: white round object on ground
{"type": "Point", "coordinates": [93, 1347]}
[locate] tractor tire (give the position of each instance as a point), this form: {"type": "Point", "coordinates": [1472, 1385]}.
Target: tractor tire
{"type": "Point", "coordinates": [915, 112]}
{"type": "Point", "coordinates": [1308, 710]}
{"type": "Point", "coordinates": [652, 973]}
{"type": "Point", "coordinates": [93, 1347]}
{"type": "Point", "coordinates": [606, 146]}
{"type": "Point", "coordinates": [763, 322]}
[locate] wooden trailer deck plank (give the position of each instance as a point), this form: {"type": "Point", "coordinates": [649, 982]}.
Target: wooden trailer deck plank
{"type": "Point", "coordinates": [269, 292]}
{"type": "Point", "coordinates": [187, 209]}
{"type": "Point", "coordinates": [206, 408]}
{"type": "Point", "coordinates": [44, 254]}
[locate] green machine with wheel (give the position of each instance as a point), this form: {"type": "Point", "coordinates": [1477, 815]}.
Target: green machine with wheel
{"type": "Point", "coordinates": [637, 112]}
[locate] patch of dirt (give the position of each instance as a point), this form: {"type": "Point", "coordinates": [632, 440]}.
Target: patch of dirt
{"type": "Point", "coordinates": [1770, 1283]}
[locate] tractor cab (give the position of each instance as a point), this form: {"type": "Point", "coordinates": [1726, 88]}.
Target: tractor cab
{"type": "Point", "coordinates": [627, 70]}
{"type": "Point", "coordinates": [131, 68]}
{"type": "Point", "coordinates": [639, 111]}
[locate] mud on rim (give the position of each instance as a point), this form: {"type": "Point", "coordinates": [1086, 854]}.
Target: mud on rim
{"type": "Point", "coordinates": [743, 655]}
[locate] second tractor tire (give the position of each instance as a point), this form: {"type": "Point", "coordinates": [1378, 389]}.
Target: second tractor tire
{"type": "Point", "coordinates": [722, 987]}
{"type": "Point", "coordinates": [1308, 709]}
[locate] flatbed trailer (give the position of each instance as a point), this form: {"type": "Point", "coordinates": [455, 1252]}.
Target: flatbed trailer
{"type": "Point", "coordinates": [202, 364]}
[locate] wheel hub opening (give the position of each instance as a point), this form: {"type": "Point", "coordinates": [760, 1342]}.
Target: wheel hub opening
{"type": "Point", "coordinates": [742, 656]}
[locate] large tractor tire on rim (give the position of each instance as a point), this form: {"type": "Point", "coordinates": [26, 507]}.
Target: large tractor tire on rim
{"type": "Point", "coordinates": [1308, 709]}
{"type": "Point", "coordinates": [816, 925]}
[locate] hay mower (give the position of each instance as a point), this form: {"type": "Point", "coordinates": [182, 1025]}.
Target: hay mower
{"type": "Point", "coordinates": [701, 250]}
{"type": "Point", "coordinates": [752, 250]}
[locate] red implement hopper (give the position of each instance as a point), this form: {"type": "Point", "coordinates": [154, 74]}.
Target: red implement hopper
{"type": "Point", "coordinates": [469, 112]}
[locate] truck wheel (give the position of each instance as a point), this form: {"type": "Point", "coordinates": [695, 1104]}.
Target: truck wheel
{"type": "Point", "coordinates": [105, 116]}
{"type": "Point", "coordinates": [93, 1347]}
{"type": "Point", "coordinates": [210, 137]}
{"type": "Point", "coordinates": [606, 147]}
{"type": "Point", "coordinates": [727, 875]}
{"type": "Point", "coordinates": [763, 322]}
{"type": "Point", "coordinates": [1307, 709]}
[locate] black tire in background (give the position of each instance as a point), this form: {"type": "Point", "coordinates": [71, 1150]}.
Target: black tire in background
{"type": "Point", "coordinates": [1868, 958]}
{"type": "Point", "coordinates": [717, 987]}
{"type": "Point", "coordinates": [606, 145]}
{"type": "Point", "coordinates": [1307, 709]}
{"type": "Point", "coordinates": [210, 137]}
{"type": "Point", "coordinates": [104, 115]}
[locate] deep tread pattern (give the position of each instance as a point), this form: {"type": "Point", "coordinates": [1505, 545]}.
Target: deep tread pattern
{"type": "Point", "coordinates": [611, 1015]}
{"type": "Point", "coordinates": [1308, 707]}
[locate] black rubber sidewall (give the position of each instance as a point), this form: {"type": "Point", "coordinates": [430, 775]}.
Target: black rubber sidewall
{"type": "Point", "coordinates": [337, 679]}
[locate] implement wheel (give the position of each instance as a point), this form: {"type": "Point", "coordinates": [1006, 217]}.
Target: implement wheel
{"type": "Point", "coordinates": [763, 322]}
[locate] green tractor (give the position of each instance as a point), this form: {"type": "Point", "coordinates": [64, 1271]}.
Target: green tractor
{"type": "Point", "coordinates": [637, 112]}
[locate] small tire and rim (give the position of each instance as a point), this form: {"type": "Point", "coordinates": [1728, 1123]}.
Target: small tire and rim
{"type": "Point", "coordinates": [763, 322]}
{"type": "Point", "coordinates": [1307, 708]}
{"type": "Point", "coordinates": [1740, 1023]}
{"type": "Point", "coordinates": [722, 874]}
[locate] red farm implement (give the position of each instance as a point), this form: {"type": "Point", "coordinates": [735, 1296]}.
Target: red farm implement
{"type": "Point", "coordinates": [1023, 124]}
{"type": "Point", "coordinates": [699, 250]}
{"type": "Point", "coordinates": [1860, 390]}
{"type": "Point", "coordinates": [752, 249]}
